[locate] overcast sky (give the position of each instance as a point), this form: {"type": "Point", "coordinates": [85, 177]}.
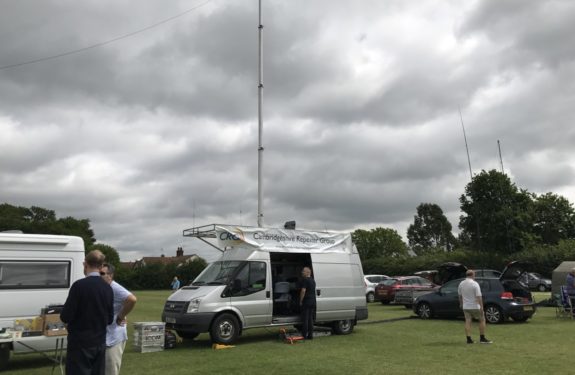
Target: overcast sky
{"type": "Point", "coordinates": [158, 132]}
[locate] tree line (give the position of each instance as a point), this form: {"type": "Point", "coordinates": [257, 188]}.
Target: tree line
{"type": "Point", "coordinates": [499, 223]}
{"type": "Point", "coordinates": [38, 220]}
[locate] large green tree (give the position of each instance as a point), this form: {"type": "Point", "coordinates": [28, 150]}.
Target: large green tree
{"type": "Point", "coordinates": [39, 220]}
{"type": "Point", "coordinates": [498, 217]}
{"type": "Point", "coordinates": [430, 230]}
{"type": "Point", "coordinates": [379, 242]}
{"type": "Point", "coordinates": [554, 219]}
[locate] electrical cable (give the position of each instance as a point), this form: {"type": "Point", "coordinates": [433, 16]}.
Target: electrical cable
{"type": "Point", "coordinates": [101, 44]}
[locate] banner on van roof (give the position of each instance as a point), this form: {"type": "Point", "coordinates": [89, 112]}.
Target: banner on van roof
{"type": "Point", "coordinates": [273, 239]}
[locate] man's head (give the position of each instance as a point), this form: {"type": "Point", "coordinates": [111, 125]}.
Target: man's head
{"type": "Point", "coordinates": [470, 274]}
{"type": "Point", "coordinates": [573, 271]}
{"type": "Point", "coordinates": [94, 261]}
{"type": "Point", "coordinates": [306, 272]}
{"type": "Point", "coordinates": [107, 272]}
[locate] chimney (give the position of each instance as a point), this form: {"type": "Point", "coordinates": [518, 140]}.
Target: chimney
{"type": "Point", "coordinates": [180, 252]}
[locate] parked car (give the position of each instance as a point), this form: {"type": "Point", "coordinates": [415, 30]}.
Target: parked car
{"type": "Point", "coordinates": [370, 283]}
{"type": "Point", "coordinates": [487, 273]}
{"type": "Point", "coordinates": [503, 298]}
{"type": "Point", "coordinates": [535, 281]}
{"type": "Point", "coordinates": [444, 273]}
{"type": "Point", "coordinates": [385, 290]}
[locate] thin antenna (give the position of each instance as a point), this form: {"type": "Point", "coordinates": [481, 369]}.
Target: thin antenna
{"type": "Point", "coordinates": [466, 147]}
{"type": "Point", "coordinates": [260, 118]}
{"type": "Point", "coordinates": [500, 158]}
{"type": "Point", "coordinates": [194, 213]}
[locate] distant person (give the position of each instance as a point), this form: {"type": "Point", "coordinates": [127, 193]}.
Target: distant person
{"type": "Point", "coordinates": [87, 312]}
{"type": "Point", "coordinates": [570, 284]}
{"type": "Point", "coordinates": [471, 301]}
{"type": "Point", "coordinates": [307, 303]}
{"type": "Point", "coordinates": [117, 334]}
{"type": "Point", "coordinates": [175, 283]}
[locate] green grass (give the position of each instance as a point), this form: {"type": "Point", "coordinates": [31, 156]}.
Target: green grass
{"type": "Point", "coordinates": [411, 346]}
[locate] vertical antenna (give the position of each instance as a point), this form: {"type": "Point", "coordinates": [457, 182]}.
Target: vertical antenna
{"type": "Point", "coordinates": [193, 213]}
{"type": "Point", "coordinates": [260, 119]}
{"type": "Point", "coordinates": [500, 158]}
{"type": "Point", "coordinates": [466, 147]}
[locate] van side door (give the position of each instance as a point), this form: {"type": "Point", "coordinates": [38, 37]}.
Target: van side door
{"type": "Point", "coordinates": [250, 293]}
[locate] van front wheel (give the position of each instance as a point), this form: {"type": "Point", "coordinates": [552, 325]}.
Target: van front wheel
{"type": "Point", "coordinates": [225, 329]}
{"type": "Point", "coordinates": [343, 327]}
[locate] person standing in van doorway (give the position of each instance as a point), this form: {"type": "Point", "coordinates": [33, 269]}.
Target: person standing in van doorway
{"type": "Point", "coordinates": [471, 301]}
{"type": "Point", "coordinates": [175, 284]}
{"type": "Point", "coordinates": [117, 334]}
{"type": "Point", "coordinates": [87, 312]}
{"type": "Point", "coordinates": [307, 303]}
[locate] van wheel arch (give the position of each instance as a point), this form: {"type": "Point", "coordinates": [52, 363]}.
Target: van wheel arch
{"type": "Point", "coordinates": [225, 328]}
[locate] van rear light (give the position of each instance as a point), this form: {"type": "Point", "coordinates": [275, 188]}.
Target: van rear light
{"type": "Point", "coordinates": [506, 295]}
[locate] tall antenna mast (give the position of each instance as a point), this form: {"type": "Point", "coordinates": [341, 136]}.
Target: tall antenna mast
{"type": "Point", "coordinates": [466, 147]}
{"type": "Point", "coordinates": [260, 118]}
{"type": "Point", "coordinates": [500, 158]}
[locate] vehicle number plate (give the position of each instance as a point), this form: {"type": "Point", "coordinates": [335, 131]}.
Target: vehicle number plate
{"type": "Point", "coordinates": [527, 308]}
{"type": "Point", "coordinates": [170, 320]}
{"type": "Point", "coordinates": [382, 292]}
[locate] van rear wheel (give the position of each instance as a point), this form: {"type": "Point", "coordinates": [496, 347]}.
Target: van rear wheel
{"type": "Point", "coordinates": [225, 329]}
{"type": "Point", "coordinates": [343, 327]}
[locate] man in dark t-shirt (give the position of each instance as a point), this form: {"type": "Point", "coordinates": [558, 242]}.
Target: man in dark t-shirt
{"type": "Point", "coordinates": [307, 303]}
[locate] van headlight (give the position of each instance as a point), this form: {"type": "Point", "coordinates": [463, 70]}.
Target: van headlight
{"type": "Point", "coordinates": [194, 305]}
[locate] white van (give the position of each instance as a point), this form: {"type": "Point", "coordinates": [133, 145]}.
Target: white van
{"type": "Point", "coordinates": [255, 282]}
{"type": "Point", "coordinates": [35, 271]}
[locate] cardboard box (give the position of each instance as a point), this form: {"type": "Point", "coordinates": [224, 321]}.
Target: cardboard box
{"type": "Point", "coordinates": [33, 324]}
{"type": "Point", "coordinates": [53, 326]}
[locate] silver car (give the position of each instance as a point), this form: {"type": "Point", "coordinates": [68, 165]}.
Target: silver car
{"type": "Point", "coordinates": [371, 282]}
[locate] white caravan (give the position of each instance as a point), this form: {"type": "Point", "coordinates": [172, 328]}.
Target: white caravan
{"type": "Point", "coordinates": [35, 271]}
{"type": "Point", "coordinates": [255, 282]}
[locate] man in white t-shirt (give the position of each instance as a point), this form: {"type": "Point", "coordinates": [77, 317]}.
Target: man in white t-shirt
{"type": "Point", "coordinates": [117, 334]}
{"type": "Point", "coordinates": [471, 301]}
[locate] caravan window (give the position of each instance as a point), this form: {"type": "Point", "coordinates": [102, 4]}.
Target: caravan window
{"type": "Point", "coordinates": [34, 274]}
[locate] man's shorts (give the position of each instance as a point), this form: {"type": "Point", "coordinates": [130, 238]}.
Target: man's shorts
{"type": "Point", "coordinates": [473, 314]}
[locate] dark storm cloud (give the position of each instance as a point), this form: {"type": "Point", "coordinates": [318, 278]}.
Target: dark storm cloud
{"type": "Point", "coordinates": [158, 132]}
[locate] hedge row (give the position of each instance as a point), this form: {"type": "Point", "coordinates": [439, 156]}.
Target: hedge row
{"type": "Point", "coordinates": [542, 259]}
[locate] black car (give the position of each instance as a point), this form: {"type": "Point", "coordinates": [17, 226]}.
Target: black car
{"type": "Point", "coordinates": [502, 298]}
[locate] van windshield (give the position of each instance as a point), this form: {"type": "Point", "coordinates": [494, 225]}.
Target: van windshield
{"type": "Point", "coordinates": [217, 273]}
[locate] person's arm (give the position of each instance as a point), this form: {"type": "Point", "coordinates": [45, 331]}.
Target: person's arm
{"type": "Point", "coordinates": [127, 307]}
{"type": "Point", "coordinates": [70, 306]}
{"type": "Point", "coordinates": [301, 295]}
{"type": "Point", "coordinates": [479, 298]}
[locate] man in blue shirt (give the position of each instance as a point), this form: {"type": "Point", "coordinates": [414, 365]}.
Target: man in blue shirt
{"type": "Point", "coordinates": [87, 312]}
{"type": "Point", "coordinates": [175, 283]}
{"type": "Point", "coordinates": [116, 333]}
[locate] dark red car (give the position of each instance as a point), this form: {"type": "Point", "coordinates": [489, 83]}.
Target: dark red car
{"type": "Point", "coordinates": [385, 290]}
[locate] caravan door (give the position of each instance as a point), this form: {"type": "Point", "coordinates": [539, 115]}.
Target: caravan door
{"type": "Point", "coordinates": [250, 294]}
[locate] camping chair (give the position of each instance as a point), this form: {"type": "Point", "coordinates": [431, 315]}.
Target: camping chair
{"type": "Point", "coordinates": [564, 307]}
{"type": "Point", "coordinates": [282, 296]}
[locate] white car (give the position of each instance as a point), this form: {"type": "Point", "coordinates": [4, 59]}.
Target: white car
{"type": "Point", "coordinates": [371, 282]}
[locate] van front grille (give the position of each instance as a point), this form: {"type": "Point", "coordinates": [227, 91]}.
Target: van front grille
{"type": "Point", "coordinates": [177, 307]}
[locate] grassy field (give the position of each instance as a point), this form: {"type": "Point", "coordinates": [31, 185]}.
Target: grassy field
{"type": "Point", "coordinates": [410, 346]}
